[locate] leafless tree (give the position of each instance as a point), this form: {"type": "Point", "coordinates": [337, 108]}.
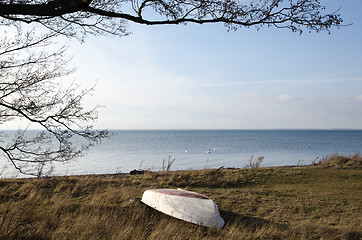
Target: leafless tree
{"type": "Point", "coordinates": [74, 17]}
{"type": "Point", "coordinates": [30, 86]}
{"type": "Point", "coordinates": [31, 92]}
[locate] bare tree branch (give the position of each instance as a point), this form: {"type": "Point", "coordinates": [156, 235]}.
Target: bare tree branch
{"type": "Point", "coordinates": [31, 91]}
{"type": "Point", "coordinates": [74, 17]}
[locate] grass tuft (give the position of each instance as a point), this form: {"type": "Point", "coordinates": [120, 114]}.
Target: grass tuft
{"type": "Point", "coordinates": [335, 160]}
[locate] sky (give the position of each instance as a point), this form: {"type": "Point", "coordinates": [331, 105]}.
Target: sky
{"type": "Point", "coordinates": [204, 77]}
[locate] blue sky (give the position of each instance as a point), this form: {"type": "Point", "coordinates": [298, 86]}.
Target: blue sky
{"type": "Point", "coordinates": [203, 77]}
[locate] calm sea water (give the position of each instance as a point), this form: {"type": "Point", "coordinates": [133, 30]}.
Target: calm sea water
{"type": "Point", "coordinates": [197, 149]}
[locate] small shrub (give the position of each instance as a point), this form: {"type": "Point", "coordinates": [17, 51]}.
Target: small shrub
{"type": "Point", "coordinates": [335, 160]}
{"type": "Point", "coordinates": [256, 163]}
{"type": "Point", "coordinates": [167, 166]}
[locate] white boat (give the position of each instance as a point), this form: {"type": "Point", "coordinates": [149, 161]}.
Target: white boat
{"type": "Point", "coordinates": [185, 205]}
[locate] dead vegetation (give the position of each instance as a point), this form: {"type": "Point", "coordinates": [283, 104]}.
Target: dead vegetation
{"type": "Point", "coordinates": [309, 202]}
{"type": "Point", "coordinates": [336, 160]}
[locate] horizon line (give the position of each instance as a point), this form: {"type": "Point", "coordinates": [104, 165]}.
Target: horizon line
{"type": "Point", "coordinates": [195, 129]}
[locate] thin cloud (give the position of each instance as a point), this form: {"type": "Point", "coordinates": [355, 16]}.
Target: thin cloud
{"type": "Point", "coordinates": [275, 81]}
{"type": "Point", "coordinates": [285, 97]}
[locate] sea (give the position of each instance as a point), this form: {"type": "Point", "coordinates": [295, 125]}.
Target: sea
{"type": "Point", "coordinates": [127, 150]}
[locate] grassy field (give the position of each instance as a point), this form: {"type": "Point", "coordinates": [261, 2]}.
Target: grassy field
{"type": "Point", "coordinates": [307, 202]}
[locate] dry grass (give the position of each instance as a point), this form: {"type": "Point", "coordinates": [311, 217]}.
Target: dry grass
{"type": "Point", "coordinates": [339, 161]}
{"type": "Point", "coordinates": [312, 202]}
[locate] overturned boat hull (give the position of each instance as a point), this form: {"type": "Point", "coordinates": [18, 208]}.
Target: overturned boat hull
{"type": "Point", "coordinates": [185, 205]}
